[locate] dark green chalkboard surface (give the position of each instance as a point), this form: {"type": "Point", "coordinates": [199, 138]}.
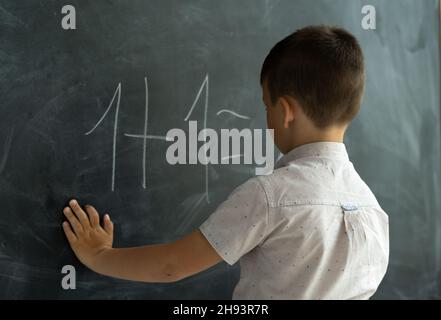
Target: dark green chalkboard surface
{"type": "Point", "coordinates": [62, 135]}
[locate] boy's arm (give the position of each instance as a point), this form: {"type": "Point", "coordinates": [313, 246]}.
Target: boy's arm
{"type": "Point", "coordinates": [168, 262]}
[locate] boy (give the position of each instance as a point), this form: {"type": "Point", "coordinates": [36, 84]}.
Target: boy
{"type": "Point", "coordinates": [310, 230]}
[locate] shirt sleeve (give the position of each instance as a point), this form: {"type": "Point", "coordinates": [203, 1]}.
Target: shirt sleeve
{"type": "Point", "coordinates": [240, 223]}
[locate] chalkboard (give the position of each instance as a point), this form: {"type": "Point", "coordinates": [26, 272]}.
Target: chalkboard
{"type": "Point", "coordinates": [61, 137]}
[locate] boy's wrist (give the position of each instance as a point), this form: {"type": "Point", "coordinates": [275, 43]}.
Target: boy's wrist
{"type": "Point", "coordinates": [100, 261]}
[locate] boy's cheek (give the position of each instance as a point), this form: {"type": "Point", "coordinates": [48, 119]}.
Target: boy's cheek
{"type": "Point", "coordinates": [275, 123]}
{"type": "Point", "coordinates": [271, 125]}
{"type": "Point", "coordinates": [270, 120]}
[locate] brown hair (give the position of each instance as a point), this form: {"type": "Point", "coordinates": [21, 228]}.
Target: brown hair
{"type": "Point", "coordinates": [322, 68]}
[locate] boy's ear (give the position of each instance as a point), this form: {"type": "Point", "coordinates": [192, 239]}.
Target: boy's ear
{"type": "Point", "coordinates": [288, 112]}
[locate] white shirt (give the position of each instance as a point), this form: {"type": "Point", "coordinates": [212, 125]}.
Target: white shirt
{"type": "Point", "coordinates": [310, 230]}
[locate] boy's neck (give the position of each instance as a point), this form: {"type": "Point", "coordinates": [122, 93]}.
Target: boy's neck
{"type": "Point", "coordinates": [334, 134]}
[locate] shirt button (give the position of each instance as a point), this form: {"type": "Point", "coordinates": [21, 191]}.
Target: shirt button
{"type": "Point", "coordinates": [349, 207]}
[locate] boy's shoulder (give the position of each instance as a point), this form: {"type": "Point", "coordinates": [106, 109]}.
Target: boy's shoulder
{"type": "Point", "coordinates": [315, 182]}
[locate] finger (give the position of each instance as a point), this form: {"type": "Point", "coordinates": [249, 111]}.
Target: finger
{"type": "Point", "coordinates": [108, 224]}
{"type": "Point", "coordinates": [76, 225]}
{"type": "Point", "coordinates": [81, 215]}
{"type": "Point", "coordinates": [94, 217]}
{"type": "Point", "coordinates": [71, 237]}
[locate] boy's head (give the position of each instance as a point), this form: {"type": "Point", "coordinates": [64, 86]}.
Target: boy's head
{"type": "Point", "coordinates": [313, 83]}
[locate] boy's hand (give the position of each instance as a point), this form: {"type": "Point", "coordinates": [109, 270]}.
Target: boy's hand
{"type": "Point", "coordinates": [85, 234]}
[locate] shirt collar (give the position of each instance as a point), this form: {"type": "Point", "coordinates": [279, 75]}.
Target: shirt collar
{"type": "Point", "coordinates": [316, 149]}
